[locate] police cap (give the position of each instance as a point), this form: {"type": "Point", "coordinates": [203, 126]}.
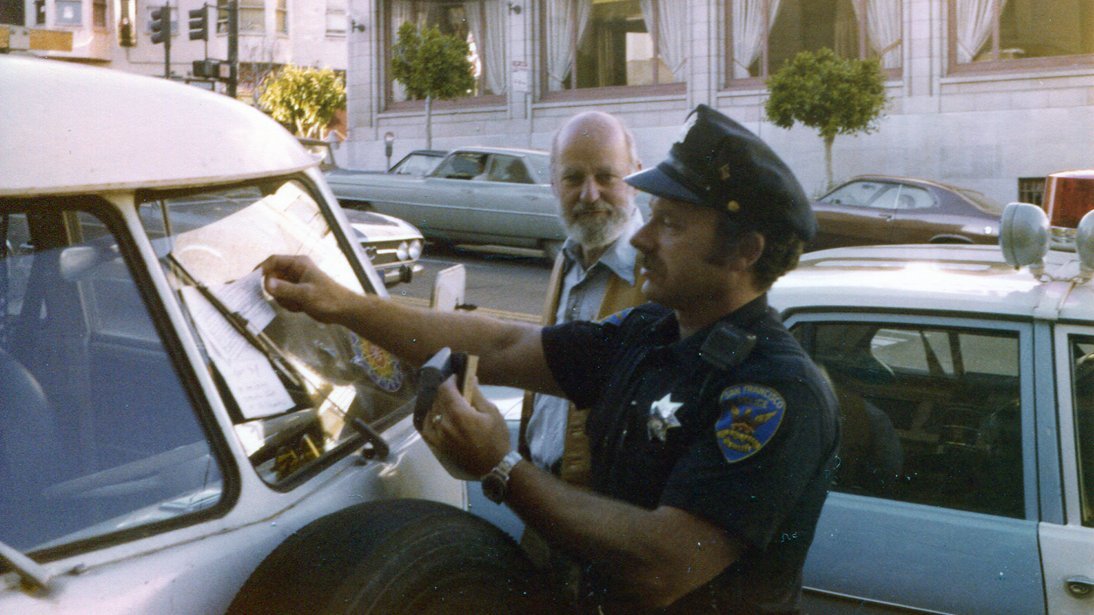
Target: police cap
{"type": "Point", "coordinates": [719, 163]}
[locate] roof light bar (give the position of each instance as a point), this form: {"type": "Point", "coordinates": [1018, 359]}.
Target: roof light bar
{"type": "Point", "coordinates": [1069, 195]}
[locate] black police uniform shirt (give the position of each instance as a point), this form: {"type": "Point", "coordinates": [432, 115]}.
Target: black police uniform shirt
{"type": "Point", "coordinates": [749, 447]}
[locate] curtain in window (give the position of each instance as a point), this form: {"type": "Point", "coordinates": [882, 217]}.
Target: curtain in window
{"type": "Point", "coordinates": [402, 11]}
{"type": "Point", "coordinates": [882, 28]}
{"type": "Point", "coordinates": [672, 33]}
{"type": "Point", "coordinates": [748, 32]}
{"type": "Point", "coordinates": [489, 38]}
{"type": "Point", "coordinates": [974, 18]}
{"type": "Point", "coordinates": [564, 19]}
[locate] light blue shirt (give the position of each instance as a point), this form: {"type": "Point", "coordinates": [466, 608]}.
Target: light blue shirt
{"type": "Point", "coordinates": [579, 299]}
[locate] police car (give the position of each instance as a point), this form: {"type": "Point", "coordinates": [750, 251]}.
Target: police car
{"type": "Point", "coordinates": [965, 376]}
{"type": "Point", "coordinates": [171, 441]}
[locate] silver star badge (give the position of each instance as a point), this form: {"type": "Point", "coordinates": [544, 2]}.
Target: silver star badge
{"type": "Point", "coordinates": [662, 417]}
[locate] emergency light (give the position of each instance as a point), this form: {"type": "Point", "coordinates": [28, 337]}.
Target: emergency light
{"type": "Point", "coordinates": [1066, 222]}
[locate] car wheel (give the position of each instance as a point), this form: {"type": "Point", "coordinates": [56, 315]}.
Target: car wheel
{"type": "Point", "coordinates": [393, 556]}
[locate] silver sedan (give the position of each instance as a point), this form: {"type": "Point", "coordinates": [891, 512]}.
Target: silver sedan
{"type": "Point", "coordinates": [477, 195]}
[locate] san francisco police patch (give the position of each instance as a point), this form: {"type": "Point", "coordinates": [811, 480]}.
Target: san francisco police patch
{"type": "Point", "coordinates": [618, 317]}
{"type": "Point", "coordinates": [751, 415]}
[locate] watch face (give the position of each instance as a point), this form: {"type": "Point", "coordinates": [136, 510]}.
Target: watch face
{"type": "Point", "coordinates": [494, 487]}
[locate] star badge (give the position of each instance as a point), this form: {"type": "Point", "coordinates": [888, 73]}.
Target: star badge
{"type": "Point", "coordinates": [662, 417]}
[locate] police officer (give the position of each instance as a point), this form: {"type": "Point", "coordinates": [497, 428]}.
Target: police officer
{"type": "Point", "coordinates": [712, 433]}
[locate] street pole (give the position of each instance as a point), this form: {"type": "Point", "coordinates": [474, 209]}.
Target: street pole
{"type": "Point", "coordinates": [233, 47]}
{"type": "Point", "coordinates": [167, 40]}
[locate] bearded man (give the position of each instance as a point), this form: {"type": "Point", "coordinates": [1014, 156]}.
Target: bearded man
{"type": "Point", "coordinates": [594, 274]}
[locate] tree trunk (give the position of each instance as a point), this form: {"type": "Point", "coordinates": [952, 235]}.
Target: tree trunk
{"type": "Point", "coordinates": [429, 122]}
{"type": "Point", "coordinates": [828, 161]}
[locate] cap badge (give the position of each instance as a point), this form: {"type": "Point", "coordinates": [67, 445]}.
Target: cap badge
{"type": "Point", "coordinates": [723, 172]}
{"type": "Point", "coordinates": [733, 207]}
{"type": "Point", "coordinates": [662, 418]}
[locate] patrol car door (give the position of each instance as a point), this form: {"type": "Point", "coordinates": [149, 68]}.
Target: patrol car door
{"type": "Point", "coordinates": [1067, 544]}
{"type": "Point", "coordinates": [934, 506]}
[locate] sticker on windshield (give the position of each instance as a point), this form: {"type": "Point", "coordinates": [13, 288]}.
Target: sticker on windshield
{"type": "Point", "coordinates": [380, 365]}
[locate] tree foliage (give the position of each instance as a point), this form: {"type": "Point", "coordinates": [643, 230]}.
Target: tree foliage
{"type": "Point", "coordinates": [431, 64]}
{"type": "Point", "coordinates": [833, 95]}
{"type": "Point", "coordinates": [303, 97]}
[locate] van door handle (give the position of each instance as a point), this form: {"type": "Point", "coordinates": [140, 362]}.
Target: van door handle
{"type": "Point", "coordinates": [1079, 586]}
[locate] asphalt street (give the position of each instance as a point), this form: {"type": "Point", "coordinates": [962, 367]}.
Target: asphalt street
{"type": "Point", "coordinates": [505, 282]}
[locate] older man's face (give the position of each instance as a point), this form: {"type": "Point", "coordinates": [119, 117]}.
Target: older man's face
{"type": "Point", "coordinates": [595, 201]}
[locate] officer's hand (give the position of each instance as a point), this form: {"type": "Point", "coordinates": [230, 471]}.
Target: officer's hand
{"type": "Point", "coordinates": [299, 285]}
{"type": "Point", "coordinates": [474, 437]}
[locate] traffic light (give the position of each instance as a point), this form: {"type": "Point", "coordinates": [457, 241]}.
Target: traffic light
{"type": "Point", "coordinates": [161, 25]}
{"type": "Point", "coordinates": [199, 24]}
{"type": "Point", "coordinates": [127, 32]}
{"type": "Point", "coordinates": [127, 37]}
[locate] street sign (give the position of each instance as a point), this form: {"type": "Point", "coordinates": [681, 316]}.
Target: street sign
{"type": "Point", "coordinates": [521, 77]}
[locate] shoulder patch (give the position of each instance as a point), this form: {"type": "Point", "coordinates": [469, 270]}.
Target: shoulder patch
{"type": "Point", "coordinates": [750, 416]}
{"type": "Point", "coordinates": [618, 317]}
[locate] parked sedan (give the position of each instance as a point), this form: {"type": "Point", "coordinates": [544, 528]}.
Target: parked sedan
{"type": "Point", "coordinates": [879, 209]}
{"type": "Point", "coordinates": [393, 245]}
{"type": "Point", "coordinates": [482, 195]}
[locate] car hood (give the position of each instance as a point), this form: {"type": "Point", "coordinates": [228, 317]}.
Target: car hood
{"type": "Point", "coordinates": [376, 227]}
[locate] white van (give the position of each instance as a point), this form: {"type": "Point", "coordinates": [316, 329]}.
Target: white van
{"type": "Point", "coordinates": [170, 440]}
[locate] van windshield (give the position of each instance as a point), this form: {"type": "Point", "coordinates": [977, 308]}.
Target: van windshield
{"type": "Point", "coordinates": [292, 384]}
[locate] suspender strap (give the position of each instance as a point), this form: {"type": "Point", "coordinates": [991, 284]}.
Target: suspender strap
{"type": "Point", "coordinates": [550, 307]}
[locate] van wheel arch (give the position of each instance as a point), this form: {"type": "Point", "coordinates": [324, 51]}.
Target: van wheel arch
{"type": "Point", "coordinates": [393, 556]}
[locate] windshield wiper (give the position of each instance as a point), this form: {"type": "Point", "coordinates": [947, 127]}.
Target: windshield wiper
{"type": "Point", "coordinates": [30, 572]}
{"type": "Point", "coordinates": [257, 339]}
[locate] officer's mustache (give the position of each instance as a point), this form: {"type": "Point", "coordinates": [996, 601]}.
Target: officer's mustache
{"type": "Point", "coordinates": [646, 261]}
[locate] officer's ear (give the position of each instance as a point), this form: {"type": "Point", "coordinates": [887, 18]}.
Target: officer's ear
{"type": "Point", "coordinates": [747, 250]}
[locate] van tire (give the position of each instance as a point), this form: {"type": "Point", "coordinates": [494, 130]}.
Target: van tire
{"type": "Point", "coordinates": [393, 556]}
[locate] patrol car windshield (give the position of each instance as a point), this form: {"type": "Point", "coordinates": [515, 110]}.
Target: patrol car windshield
{"type": "Point", "coordinates": [293, 385]}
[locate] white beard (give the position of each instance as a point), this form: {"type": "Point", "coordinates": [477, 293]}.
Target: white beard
{"type": "Point", "coordinates": [599, 231]}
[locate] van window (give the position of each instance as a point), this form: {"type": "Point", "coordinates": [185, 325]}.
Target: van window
{"type": "Point", "coordinates": [99, 435]}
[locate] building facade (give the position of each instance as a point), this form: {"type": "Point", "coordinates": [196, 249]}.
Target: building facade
{"type": "Point", "coordinates": [988, 94]}
{"type": "Point", "coordinates": [117, 34]}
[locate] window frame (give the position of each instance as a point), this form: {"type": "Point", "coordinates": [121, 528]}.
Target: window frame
{"type": "Point", "coordinates": [387, 39]}
{"type": "Point", "coordinates": [754, 81]}
{"type": "Point", "coordinates": [571, 92]}
{"type": "Point", "coordinates": [996, 63]}
{"type": "Point", "coordinates": [177, 358]}
{"type": "Point", "coordinates": [1032, 474]}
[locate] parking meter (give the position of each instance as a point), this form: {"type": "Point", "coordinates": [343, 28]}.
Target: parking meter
{"type": "Point", "coordinates": [389, 144]}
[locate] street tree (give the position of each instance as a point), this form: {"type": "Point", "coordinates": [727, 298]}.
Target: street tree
{"type": "Point", "coordinates": [835, 96]}
{"type": "Point", "coordinates": [431, 65]}
{"type": "Point", "coordinates": [304, 98]}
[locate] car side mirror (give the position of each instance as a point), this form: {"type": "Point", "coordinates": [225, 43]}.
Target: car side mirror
{"type": "Point", "coordinates": [76, 261]}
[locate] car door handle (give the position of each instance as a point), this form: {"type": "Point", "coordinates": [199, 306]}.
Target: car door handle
{"type": "Point", "coordinates": [1079, 586]}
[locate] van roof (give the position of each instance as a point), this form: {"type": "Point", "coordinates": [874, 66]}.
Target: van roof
{"type": "Point", "coordinates": [70, 129]}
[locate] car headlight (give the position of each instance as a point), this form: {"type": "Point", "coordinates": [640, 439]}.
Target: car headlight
{"type": "Point", "coordinates": [416, 249]}
{"type": "Point", "coordinates": [403, 251]}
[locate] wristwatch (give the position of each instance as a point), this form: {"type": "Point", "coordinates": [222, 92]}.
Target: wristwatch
{"type": "Point", "coordinates": [495, 485]}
